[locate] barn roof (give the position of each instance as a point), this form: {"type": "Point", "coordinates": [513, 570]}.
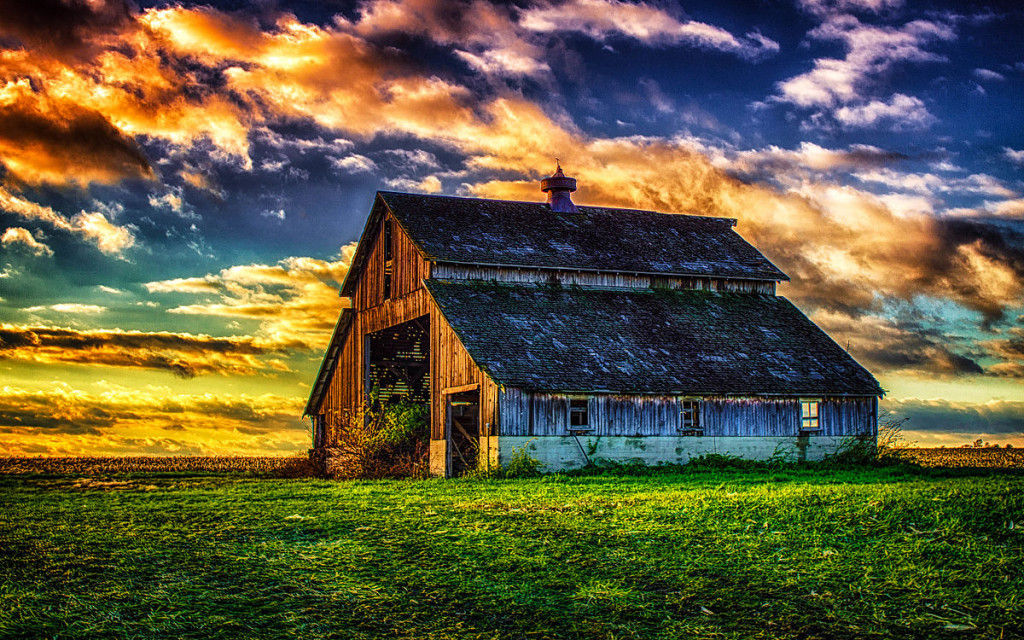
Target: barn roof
{"type": "Point", "coordinates": [574, 339]}
{"type": "Point", "coordinates": [530, 234]}
{"type": "Point", "coordinates": [330, 361]}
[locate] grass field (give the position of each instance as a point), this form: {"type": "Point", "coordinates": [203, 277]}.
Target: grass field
{"type": "Point", "coordinates": [723, 553]}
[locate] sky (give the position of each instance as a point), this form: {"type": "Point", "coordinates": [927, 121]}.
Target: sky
{"type": "Point", "coordinates": [182, 185]}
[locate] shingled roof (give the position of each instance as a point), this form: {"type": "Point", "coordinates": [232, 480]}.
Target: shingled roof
{"type": "Point", "coordinates": [573, 339]}
{"type": "Point", "coordinates": [530, 234]}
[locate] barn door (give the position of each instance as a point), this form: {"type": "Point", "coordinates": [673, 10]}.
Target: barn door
{"type": "Point", "coordinates": [463, 432]}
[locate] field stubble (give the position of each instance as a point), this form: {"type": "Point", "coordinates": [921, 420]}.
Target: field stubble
{"type": "Point", "coordinates": [960, 457]}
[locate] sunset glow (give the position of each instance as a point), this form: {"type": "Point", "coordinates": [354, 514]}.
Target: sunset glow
{"type": "Point", "coordinates": [182, 186]}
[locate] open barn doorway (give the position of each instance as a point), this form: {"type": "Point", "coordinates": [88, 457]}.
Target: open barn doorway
{"type": "Point", "coordinates": [463, 432]}
{"type": "Point", "coordinates": [398, 363]}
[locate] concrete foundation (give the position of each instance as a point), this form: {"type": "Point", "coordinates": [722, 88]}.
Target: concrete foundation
{"type": "Point", "coordinates": [567, 452]}
{"type": "Point", "coordinates": [489, 450]}
{"type": "Point", "coordinates": [438, 457]}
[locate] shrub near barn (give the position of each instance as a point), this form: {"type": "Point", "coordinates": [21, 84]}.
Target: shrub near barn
{"type": "Point", "coordinates": [380, 441]}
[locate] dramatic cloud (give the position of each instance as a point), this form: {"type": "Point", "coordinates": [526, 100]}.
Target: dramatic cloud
{"type": "Point", "coordinates": [844, 248]}
{"type": "Point", "coordinates": [47, 141]}
{"type": "Point", "coordinates": [843, 88]}
{"type": "Point", "coordinates": [182, 354]}
{"type": "Point", "coordinates": [69, 307]}
{"type": "Point", "coordinates": [900, 113]}
{"type": "Point", "coordinates": [955, 423]}
{"type": "Point", "coordinates": [93, 227]}
{"type": "Point", "coordinates": [1013, 208]}
{"type": "Point", "coordinates": [934, 184]}
{"type": "Point", "coordinates": [483, 35]}
{"type": "Point", "coordinates": [17, 236]}
{"type": "Point", "coordinates": [1011, 351]}
{"type": "Point", "coordinates": [604, 19]}
{"type": "Point", "coordinates": [832, 7]}
{"type": "Point", "coordinates": [63, 26]}
{"type": "Point", "coordinates": [121, 421]}
{"type": "Point", "coordinates": [889, 348]}
{"type": "Point", "coordinates": [776, 163]}
{"type": "Point", "coordinates": [296, 301]}
{"type": "Point", "coordinates": [988, 75]}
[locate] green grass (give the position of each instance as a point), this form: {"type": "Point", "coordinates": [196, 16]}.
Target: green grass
{"type": "Point", "coordinates": [726, 553]}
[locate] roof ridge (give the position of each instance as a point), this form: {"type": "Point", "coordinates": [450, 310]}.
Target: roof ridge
{"type": "Point", "coordinates": [543, 204]}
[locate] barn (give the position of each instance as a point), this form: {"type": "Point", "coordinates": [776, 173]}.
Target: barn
{"type": "Point", "coordinates": [582, 333]}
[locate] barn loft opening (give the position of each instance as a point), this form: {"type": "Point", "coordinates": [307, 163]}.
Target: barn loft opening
{"type": "Point", "coordinates": [398, 362]}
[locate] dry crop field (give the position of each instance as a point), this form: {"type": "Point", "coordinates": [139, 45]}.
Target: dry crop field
{"type": "Point", "coordinates": [293, 466]}
{"type": "Point", "coordinates": [988, 457]}
{"type": "Point", "coordinates": [299, 466]}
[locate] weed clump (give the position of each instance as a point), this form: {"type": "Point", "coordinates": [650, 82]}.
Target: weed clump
{"type": "Point", "coordinates": [521, 464]}
{"type": "Point", "coordinates": [890, 448]}
{"type": "Point", "coordinates": [382, 441]}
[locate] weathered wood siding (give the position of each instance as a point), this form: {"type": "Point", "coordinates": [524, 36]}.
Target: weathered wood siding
{"type": "Point", "coordinates": [848, 416]}
{"type": "Point", "coordinates": [546, 414]}
{"type": "Point", "coordinates": [346, 391]}
{"type": "Point", "coordinates": [751, 416]}
{"type": "Point", "coordinates": [587, 278]}
{"type": "Point", "coordinates": [452, 368]}
{"type": "Point", "coordinates": [409, 268]}
{"type": "Point", "coordinates": [340, 398]}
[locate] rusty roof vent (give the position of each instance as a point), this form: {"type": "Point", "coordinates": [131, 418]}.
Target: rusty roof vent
{"type": "Point", "coordinates": [558, 188]}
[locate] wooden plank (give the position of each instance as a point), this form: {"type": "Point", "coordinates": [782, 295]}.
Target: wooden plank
{"type": "Point", "coordinates": [466, 387]}
{"type": "Point", "coordinates": [600, 279]}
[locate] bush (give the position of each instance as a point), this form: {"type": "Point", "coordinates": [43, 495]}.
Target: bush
{"type": "Point", "coordinates": [383, 442]}
{"type": "Point", "coordinates": [521, 464]}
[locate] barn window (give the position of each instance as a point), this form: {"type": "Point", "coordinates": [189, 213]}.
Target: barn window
{"type": "Point", "coordinates": [388, 259]}
{"type": "Point", "coordinates": [809, 415]}
{"type": "Point", "coordinates": [689, 419]}
{"type": "Point", "coordinates": [579, 414]}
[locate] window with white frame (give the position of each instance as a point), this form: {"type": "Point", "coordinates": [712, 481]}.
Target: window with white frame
{"type": "Point", "coordinates": [579, 414]}
{"type": "Point", "coordinates": [809, 415]}
{"type": "Point", "coordinates": [689, 419]}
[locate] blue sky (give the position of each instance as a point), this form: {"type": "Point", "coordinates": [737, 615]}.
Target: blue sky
{"type": "Point", "coordinates": [181, 185]}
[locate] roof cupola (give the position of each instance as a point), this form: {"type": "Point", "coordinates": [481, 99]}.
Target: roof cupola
{"type": "Point", "coordinates": [558, 187]}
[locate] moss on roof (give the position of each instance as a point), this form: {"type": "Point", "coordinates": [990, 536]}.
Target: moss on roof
{"type": "Point", "coordinates": [529, 234]}
{"type": "Point", "coordinates": [552, 338]}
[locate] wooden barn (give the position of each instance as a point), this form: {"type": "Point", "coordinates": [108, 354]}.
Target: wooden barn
{"type": "Point", "coordinates": [583, 333]}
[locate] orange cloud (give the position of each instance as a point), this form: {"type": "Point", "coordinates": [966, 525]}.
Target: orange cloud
{"type": "Point", "coordinates": [120, 421]}
{"type": "Point", "coordinates": [182, 354]}
{"type": "Point", "coordinates": [843, 247]}
{"type": "Point", "coordinates": [296, 300]}
{"type": "Point", "coordinates": [51, 141]}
